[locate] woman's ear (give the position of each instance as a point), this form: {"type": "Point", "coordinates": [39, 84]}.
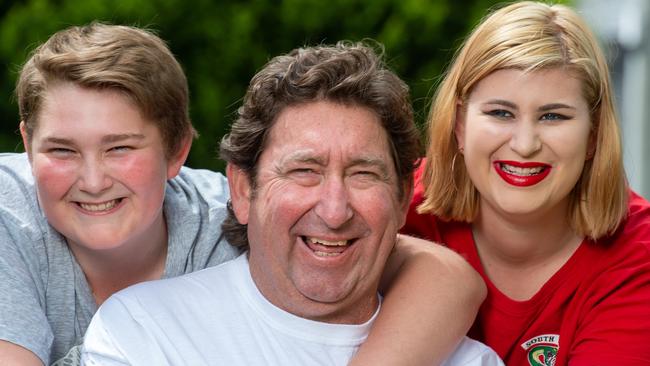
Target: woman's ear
{"type": "Point", "coordinates": [240, 192]}
{"type": "Point", "coordinates": [592, 142]}
{"type": "Point", "coordinates": [459, 126]}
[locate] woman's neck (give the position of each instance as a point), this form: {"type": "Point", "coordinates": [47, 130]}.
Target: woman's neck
{"type": "Point", "coordinates": [520, 253]}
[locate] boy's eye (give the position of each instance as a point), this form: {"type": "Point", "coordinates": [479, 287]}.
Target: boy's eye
{"type": "Point", "coordinates": [120, 148]}
{"type": "Point", "coordinates": [60, 151]}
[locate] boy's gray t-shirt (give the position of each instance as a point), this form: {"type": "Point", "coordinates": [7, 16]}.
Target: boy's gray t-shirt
{"type": "Point", "coordinates": [45, 301]}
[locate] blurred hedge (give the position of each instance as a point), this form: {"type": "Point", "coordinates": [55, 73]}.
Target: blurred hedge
{"type": "Point", "coordinates": [221, 44]}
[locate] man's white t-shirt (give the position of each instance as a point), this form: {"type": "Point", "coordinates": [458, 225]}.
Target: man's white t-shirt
{"type": "Point", "coordinates": [217, 316]}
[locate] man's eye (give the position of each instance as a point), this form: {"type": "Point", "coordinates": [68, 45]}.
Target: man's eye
{"type": "Point", "coordinates": [304, 176]}
{"type": "Point", "coordinates": [366, 174]}
{"type": "Point", "coordinates": [303, 171]}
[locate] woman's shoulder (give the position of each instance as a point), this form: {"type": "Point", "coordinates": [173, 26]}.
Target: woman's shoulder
{"type": "Point", "coordinates": [635, 229]}
{"type": "Point", "coordinates": [629, 247]}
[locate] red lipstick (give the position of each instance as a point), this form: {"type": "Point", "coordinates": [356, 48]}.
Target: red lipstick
{"type": "Point", "coordinates": [511, 176]}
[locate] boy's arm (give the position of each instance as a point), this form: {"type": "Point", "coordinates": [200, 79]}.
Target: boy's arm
{"type": "Point", "coordinates": [431, 297]}
{"type": "Point", "coordinates": [25, 334]}
{"type": "Point", "coordinates": [12, 354]}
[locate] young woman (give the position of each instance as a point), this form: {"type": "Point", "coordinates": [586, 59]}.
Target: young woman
{"type": "Point", "coordinates": [101, 201]}
{"type": "Point", "coordinates": [524, 178]}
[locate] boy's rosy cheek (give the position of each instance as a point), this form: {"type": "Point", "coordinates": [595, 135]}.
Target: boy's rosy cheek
{"type": "Point", "coordinates": [139, 169]}
{"type": "Point", "coordinates": [54, 177]}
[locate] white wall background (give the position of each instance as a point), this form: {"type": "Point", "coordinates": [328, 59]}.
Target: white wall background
{"type": "Point", "coordinates": [623, 26]}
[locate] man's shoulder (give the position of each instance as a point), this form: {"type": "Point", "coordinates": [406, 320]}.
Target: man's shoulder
{"type": "Point", "coordinates": [178, 292]}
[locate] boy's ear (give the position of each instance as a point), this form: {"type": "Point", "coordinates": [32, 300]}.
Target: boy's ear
{"type": "Point", "coordinates": [176, 162]}
{"type": "Point", "coordinates": [240, 192]}
{"type": "Point", "coordinates": [23, 134]}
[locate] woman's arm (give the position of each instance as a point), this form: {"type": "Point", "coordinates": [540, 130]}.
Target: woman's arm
{"type": "Point", "coordinates": [431, 297]}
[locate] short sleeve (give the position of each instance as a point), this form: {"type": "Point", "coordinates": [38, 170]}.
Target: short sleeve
{"type": "Point", "coordinates": [616, 328]}
{"type": "Point", "coordinates": [100, 347]}
{"type": "Point", "coordinates": [22, 315]}
{"type": "Point", "coordinates": [122, 333]}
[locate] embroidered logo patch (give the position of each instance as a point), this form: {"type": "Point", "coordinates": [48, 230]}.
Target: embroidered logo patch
{"type": "Point", "coordinates": [542, 349]}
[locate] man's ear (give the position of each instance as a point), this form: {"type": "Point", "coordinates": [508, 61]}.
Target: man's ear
{"type": "Point", "coordinates": [240, 192]}
{"type": "Point", "coordinates": [23, 134]}
{"type": "Point", "coordinates": [459, 126]}
{"type": "Point", "coordinates": [176, 162]}
{"type": "Point", "coordinates": [407, 197]}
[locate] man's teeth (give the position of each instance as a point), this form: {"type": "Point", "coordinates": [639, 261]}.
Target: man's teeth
{"type": "Point", "coordinates": [325, 254]}
{"type": "Point", "coordinates": [328, 243]}
{"type": "Point", "coordinates": [521, 171]}
{"type": "Point", "coordinates": [96, 207]}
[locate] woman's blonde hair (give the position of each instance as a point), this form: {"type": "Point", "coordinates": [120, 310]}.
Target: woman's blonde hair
{"type": "Point", "coordinates": [529, 36]}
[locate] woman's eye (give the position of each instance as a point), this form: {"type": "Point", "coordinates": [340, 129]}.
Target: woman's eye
{"type": "Point", "coordinates": [499, 113]}
{"type": "Point", "coordinates": [553, 117]}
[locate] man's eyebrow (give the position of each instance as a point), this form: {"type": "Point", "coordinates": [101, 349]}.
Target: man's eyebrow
{"type": "Point", "coordinates": [303, 157]}
{"type": "Point", "coordinates": [108, 139]}
{"type": "Point", "coordinates": [372, 162]}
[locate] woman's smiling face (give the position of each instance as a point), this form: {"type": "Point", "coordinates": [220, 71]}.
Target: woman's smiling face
{"type": "Point", "coordinates": [525, 137]}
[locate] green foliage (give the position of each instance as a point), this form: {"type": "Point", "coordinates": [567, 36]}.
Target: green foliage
{"type": "Point", "coordinates": [221, 44]}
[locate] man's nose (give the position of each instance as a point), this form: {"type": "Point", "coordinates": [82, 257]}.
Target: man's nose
{"type": "Point", "coordinates": [93, 177]}
{"type": "Point", "coordinates": [525, 139]}
{"type": "Point", "coordinates": [333, 206]}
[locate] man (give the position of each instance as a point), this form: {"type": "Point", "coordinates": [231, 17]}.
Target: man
{"type": "Point", "coordinates": [320, 166]}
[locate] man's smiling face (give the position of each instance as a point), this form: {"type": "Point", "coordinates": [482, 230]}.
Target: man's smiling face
{"type": "Point", "coordinates": [324, 212]}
